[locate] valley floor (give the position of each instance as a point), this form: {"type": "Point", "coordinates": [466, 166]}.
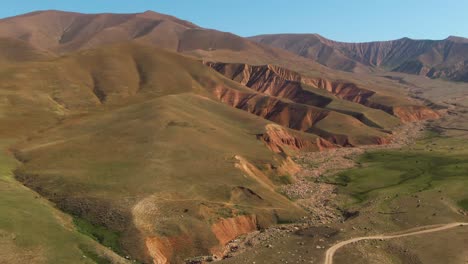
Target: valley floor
{"type": "Point", "coordinates": [360, 197]}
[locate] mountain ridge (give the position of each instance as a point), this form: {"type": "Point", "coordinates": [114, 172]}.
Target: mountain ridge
{"type": "Point", "coordinates": [432, 58]}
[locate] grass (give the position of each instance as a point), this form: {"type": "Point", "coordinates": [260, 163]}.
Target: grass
{"type": "Point", "coordinates": [225, 212]}
{"type": "Point", "coordinates": [345, 126]}
{"type": "Point", "coordinates": [463, 204]}
{"type": "Point", "coordinates": [101, 234]}
{"type": "Point", "coordinates": [31, 229]}
{"type": "Point", "coordinates": [285, 179]}
{"type": "Point", "coordinates": [421, 184]}
{"type": "Point", "coordinates": [89, 253]}
{"type": "Point", "coordinates": [403, 171]}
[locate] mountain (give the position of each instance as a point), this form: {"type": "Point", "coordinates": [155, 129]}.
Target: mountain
{"type": "Point", "coordinates": [13, 51]}
{"type": "Point", "coordinates": [162, 140]}
{"type": "Point", "coordinates": [62, 32]}
{"type": "Point", "coordinates": [432, 58]}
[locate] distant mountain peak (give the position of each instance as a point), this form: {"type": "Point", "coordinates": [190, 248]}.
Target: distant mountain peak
{"type": "Point", "coordinates": [456, 39]}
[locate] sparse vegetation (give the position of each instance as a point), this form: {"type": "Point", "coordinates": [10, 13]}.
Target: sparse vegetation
{"type": "Point", "coordinates": [101, 234]}
{"type": "Point", "coordinates": [89, 253]}
{"type": "Point", "coordinates": [285, 179]}
{"type": "Point", "coordinates": [225, 212]}
{"type": "Point", "coordinates": [32, 230]}
{"type": "Point", "coordinates": [463, 204]}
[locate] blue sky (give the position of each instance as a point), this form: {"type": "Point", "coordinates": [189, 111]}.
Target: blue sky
{"type": "Point", "coordinates": [343, 20]}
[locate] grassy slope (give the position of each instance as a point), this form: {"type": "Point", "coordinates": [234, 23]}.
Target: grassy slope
{"type": "Point", "coordinates": [157, 144]}
{"type": "Point", "coordinates": [436, 163]}
{"type": "Point", "coordinates": [176, 151]}
{"type": "Point", "coordinates": [33, 231]}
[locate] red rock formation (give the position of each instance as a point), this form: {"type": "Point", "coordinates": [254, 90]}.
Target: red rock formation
{"type": "Point", "coordinates": [295, 116]}
{"type": "Point", "coordinates": [160, 249]}
{"type": "Point", "coordinates": [414, 113]}
{"type": "Point", "coordinates": [280, 140]}
{"type": "Point", "coordinates": [230, 228]}
{"type": "Point", "coordinates": [283, 83]}
{"type": "Point", "coordinates": [344, 90]}
{"type": "Point", "coordinates": [271, 80]}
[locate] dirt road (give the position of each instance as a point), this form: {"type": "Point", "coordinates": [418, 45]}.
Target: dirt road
{"type": "Point", "coordinates": [428, 229]}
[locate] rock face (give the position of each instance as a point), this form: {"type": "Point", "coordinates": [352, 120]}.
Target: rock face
{"type": "Point", "coordinates": [283, 83]}
{"type": "Point", "coordinates": [433, 58]}
{"type": "Point", "coordinates": [301, 117]}
{"type": "Point", "coordinates": [271, 80]}
{"type": "Point", "coordinates": [280, 82]}
{"type": "Point", "coordinates": [280, 140]}
{"type": "Point", "coordinates": [160, 249]}
{"type": "Point", "coordinates": [230, 228]}
{"type": "Point", "coordinates": [295, 116]}
{"type": "Point", "coordinates": [415, 113]}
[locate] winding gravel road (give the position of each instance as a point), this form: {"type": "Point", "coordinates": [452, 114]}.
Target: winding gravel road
{"type": "Point", "coordinates": [427, 229]}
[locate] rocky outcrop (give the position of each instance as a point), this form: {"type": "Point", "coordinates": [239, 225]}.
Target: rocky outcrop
{"type": "Point", "coordinates": [255, 173]}
{"type": "Point", "coordinates": [280, 140]}
{"type": "Point", "coordinates": [227, 229]}
{"type": "Point", "coordinates": [295, 116]}
{"type": "Point", "coordinates": [456, 72]}
{"type": "Point", "coordinates": [299, 117]}
{"type": "Point", "coordinates": [288, 167]}
{"type": "Point", "coordinates": [280, 82]}
{"type": "Point", "coordinates": [344, 90]}
{"type": "Point", "coordinates": [160, 249]}
{"type": "Point", "coordinates": [414, 113]}
{"type": "Point", "coordinates": [283, 83]}
{"type": "Point", "coordinates": [271, 80]}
